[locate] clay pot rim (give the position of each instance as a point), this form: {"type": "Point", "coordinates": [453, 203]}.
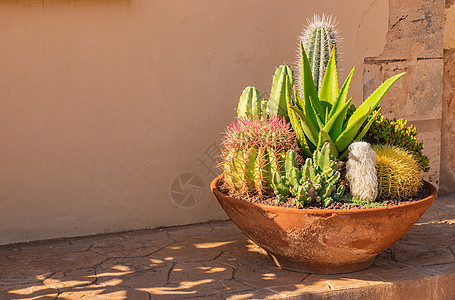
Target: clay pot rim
{"type": "Point", "coordinates": [433, 193]}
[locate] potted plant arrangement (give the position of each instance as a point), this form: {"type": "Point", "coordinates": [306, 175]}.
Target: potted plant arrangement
{"type": "Point", "coordinates": [320, 185]}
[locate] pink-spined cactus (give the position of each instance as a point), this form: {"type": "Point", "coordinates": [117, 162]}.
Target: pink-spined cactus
{"type": "Point", "coordinates": [252, 151]}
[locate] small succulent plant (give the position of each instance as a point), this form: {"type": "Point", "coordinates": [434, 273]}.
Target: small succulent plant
{"type": "Point", "coordinates": [399, 175]}
{"type": "Point", "coordinates": [253, 150]}
{"type": "Point", "coordinates": [395, 132]}
{"type": "Point", "coordinates": [317, 181]}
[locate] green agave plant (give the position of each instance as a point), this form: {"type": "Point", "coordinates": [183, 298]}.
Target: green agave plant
{"type": "Point", "coordinates": [321, 118]}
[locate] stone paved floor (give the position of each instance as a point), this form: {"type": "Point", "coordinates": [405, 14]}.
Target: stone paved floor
{"type": "Point", "coordinates": [216, 261]}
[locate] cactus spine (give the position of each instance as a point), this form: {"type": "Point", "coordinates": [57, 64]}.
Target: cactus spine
{"type": "Point", "coordinates": [361, 171]}
{"type": "Point", "coordinates": [398, 173]}
{"type": "Point", "coordinates": [318, 39]}
{"type": "Point", "coordinates": [254, 149]}
{"type": "Point", "coordinates": [315, 182]}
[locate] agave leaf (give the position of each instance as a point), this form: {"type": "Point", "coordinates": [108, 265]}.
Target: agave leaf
{"type": "Point", "coordinates": [367, 126]}
{"type": "Point", "coordinates": [313, 115]}
{"type": "Point", "coordinates": [343, 95]}
{"type": "Point", "coordinates": [361, 114]}
{"type": "Point", "coordinates": [329, 88]}
{"type": "Point", "coordinates": [372, 101]}
{"type": "Point", "coordinates": [298, 100]}
{"type": "Point", "coordinates": [297, 126]}
{"type": "Point", "coordinates": [308, 127]}
{"type": "Point", "coordinates": [348, 135]}
{"type": "Point", "coordinates": [335, 124]}
{"type": "Point", "coordinates": [309, 90]}
{"type": "Point", "coordinates": [324, 138]}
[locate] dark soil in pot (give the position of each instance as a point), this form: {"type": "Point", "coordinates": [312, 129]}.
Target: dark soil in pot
{"type": "Point", "coordinates": [380, 202]}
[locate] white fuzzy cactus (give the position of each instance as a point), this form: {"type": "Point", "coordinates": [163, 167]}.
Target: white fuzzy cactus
{"type": "Point", "coordinates": [361, 171]}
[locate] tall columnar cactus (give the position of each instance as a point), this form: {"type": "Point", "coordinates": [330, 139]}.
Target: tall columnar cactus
{"type": "Point", "coordinates": [361, 171]}
{"type": "Point", "coordinates": [399, 175]}
{"type": "Point", "coordinates": [319, 38]}
{"type": "Point", "coordinates": [316, 182]}
{"type": "Point", "coordinates": [283, 81]}
{"type": "Point", "coordinates": [253, 150]}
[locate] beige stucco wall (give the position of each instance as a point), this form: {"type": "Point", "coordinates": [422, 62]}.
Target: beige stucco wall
{"type": "Point", "coordinates": [105, 103]}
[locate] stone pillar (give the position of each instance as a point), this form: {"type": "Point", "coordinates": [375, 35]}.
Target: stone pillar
{"type": "Point", "coordinates": [448, 107]}
{"type": "Point", "coordinates": [414, 45]}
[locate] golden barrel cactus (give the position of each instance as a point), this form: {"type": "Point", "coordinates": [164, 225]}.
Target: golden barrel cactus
{"type": "Point", "coordinates": [398, 173]}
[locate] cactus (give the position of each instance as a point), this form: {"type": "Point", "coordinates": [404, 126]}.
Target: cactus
{"type": "Point", "coordinates": [250, 103]}
{"type": "Point", "coordinates": [361, 171]}
{"type": "Point", "coordinates": [320, 118]}
{"type": "Point", "coordinates": [319, 38]}
{"type": "Point", "coordinates": [398, 173]}
{"type": "Point", "coordinates": [283, 81]}
{"type": "Point", "coordinates": [395, 132]}
{"type": "Point", "coordinates": [316, 182]}
{"type": "Point", "coordinates": [254, 149]}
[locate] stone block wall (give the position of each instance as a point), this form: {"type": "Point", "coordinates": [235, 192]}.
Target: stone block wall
{"type": "Point", "coordinates": [448, 108]}
{"type": "Point", "coordinates": [414, 45]}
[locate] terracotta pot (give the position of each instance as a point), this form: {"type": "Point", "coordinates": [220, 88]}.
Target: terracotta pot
{"type": "Point", "coordinates": [324, 241]}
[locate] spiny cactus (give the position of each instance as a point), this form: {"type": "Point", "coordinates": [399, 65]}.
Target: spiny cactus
{"type": "Point", "coordinates": [254, 149]}
{"type": "Point", "coordinates": [316, 182]}
{"type": "Point", "coordinates": [319, 38]}
{"type": "Point", "coordinates": [249, 103]}
{"type": "Point", "coordinates": [395, 132]}
{"type": "Point", "coordinates": [398, 173]}
{"type": "Point", "coordinates": [361, 171]}
{"type": "Point", "coordinates": [283, 81]}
